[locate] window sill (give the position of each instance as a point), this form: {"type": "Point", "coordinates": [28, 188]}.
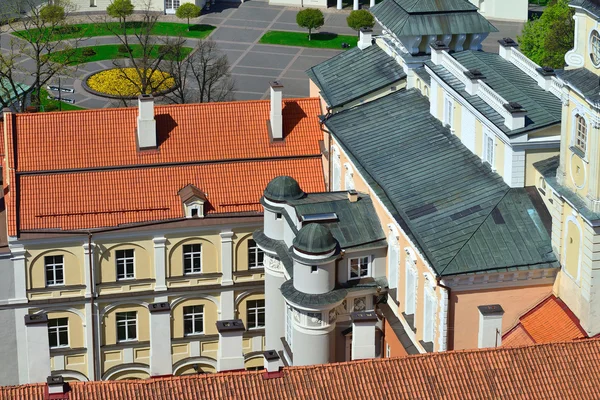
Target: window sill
{"type": "Point", "coordinates": [64, 351]}
{"type": "Point", "coordinates": [125, 345]}
{"type": "Point", "coordinates": [579, 153]}
{"type": "Point", "coordinates": [193, 335]}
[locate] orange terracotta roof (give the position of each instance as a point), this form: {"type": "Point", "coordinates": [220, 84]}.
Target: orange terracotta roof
{"type": "Point", "coordinates": [86, 171]}
{"type": "Point", "coordinates": [550, 321]}
{"type": "Point", "coordinates": [99, 199]}
{"type": "Point", "coordinates": [550, 371]}
{"type": "Point", "coordinates": [189, 132]}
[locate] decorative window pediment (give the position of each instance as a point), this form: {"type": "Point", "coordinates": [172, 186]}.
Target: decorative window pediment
{"type": "Point", "coordinates": [193, 200]}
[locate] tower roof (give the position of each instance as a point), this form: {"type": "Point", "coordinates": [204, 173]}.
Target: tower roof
{"type": "Point", "coordinates": [283, 188]}
{"type": "Point", "coordinates": [315, 239]}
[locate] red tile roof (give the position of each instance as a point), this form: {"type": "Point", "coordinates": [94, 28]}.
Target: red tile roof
{"type": "Point", "coordinates": [86, 171]}
{"type": "Point", "coordinates": [549, 371]}
{"type": "Point", "coordinates": [550, 321]}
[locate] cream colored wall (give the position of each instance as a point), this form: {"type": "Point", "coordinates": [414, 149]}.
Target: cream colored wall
{"type": "Point", "coordinates": [240, 261]}
{"type": "Point", "coordinates": [515, 303]}
{"type": "Point", "coordinates": [243, 306]}
{"type": "Point", "coordinates": [143, 259]}
{"type": "Point", "coordinates": [211, 315]}
{"type": "Point", "coordinates": [499, 149]}
{"type": "Point", "coordinates": [531, 157]}
{"type": "Point", "coordinates": [211, 260]}
{"type": "Point", "coordinates": [584, 28]}
{"type": "Point", "coordinates": [36, 272]}
{"type": "Point", "coordinates": [457, 119]}
{"type": "Point", "coordinates": [543, 189]}
{"type": "Point", "coordinates": [109, 323]}
{"type": "Point", "coordinates": [76, 329]}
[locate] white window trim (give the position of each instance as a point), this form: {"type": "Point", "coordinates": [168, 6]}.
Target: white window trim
{"type": "Point", "coordinates": [591, 48]}
{"type": "Point", "coordinates": [410, 298]}
{"type": "Point", "coordinates": [449, 107]}
{"type": "Point", "coordinates": [336, 166]}
{"type": "Point", "coordinates": [289, 326]}
{"type": "Point", "coordinates": [257, 309]}
{"type": "Point", "coordinates": [393, 247]}
{"type": "Point", "coordinates": [429, 300]}
{"type": "Point", "coordinates": [489, 135]}
{"type": "Point", "coordinates": [137, 333]}
{"type": "Point", "coordinates": [192, 315]}
{"type": "Point", "coordinates": [56, 330]}
{"type": "Point", "coordinates": [350, 278]}
{"type": "Point", "coordinates": [573, 141]}
{"type": "Point", "coordinates": [126, 278]}
{"type": "Point", "coordinates": [192, 272]}
{"type": "Point", "coordinates": [257, 251]}
{"type": "Point", "coordinates": [348, 177]}
{"type": "Point", "coordinates": [54, 266]}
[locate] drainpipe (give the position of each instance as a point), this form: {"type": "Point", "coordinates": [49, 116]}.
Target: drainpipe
{"type": "Point", "coordinates": [449, 292]}
{"type": "Point", "coordinates": [322, 123]}
{"type": "Point", "coordinates": [93, 294]}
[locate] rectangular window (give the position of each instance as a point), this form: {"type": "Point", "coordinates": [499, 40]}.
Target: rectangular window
{"type": "Point", "coordinates": [359, 267]}
{"type": "Point", "coordinates": [54, 270]}
{"type": "Point", "coordinates": [172, 4]}
{"type": "Point", "coordinates": [278, 216]}
{"type": "Point", "coordinates": [192, 259]}
{"type": "Point", "coordinates": [125, 264]}
{"type": "Point", "coordinates": [429, 318]}
{"type": "Point", "coordinates": [255, 255]}
{"type": "Point", "coordinates": [193, 320]}
{"type": "Point", "coordinates": [58, 332]}
{"type": "Point", "coordinates": [126, 326]}
{"type": "Point", "coordinates": [255, 314]}
{"type": "Point", "coordinates": [448, 112]}
{"type": "Point", "coordinates": [388, 351]}
{"type": "Point", "coordinates": [488, 151]}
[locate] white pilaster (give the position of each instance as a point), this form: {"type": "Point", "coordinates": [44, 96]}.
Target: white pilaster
{"type": "Point", "coordinates": [20, 274]}
{"type": "Point", "coordinates": [372, 3]}
{"type": "Point", "coordinates": [89, 339]}
{"type": "Point", "coordinates": [274, 303]}
{"type": "Point", "coordinates": [88, 252]}
{"type": "Point", "coordinates": [433, 99]}
{"type": "Point", "coordinates": [227, 258]}
{"type": "Point", "coordinates": [38, 347]}
{"type": "Point", "coordinates": [355, 5]}
{"type": "Point", "coordinates": [230, 356]}
{"type": "Point", "coordinates": [20, 331]}
{"type": "Point", "coordinates": [160, 339]}
{"type": "Point", "coordinates": [160, 263]}
{"type": "Point", "coordinates": [339, 4]}
{"type": "Point", "coordinates": [227, 304]}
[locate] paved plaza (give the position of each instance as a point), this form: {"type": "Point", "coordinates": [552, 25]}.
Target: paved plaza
{"type": "Point", "coordinates": [239, 27]}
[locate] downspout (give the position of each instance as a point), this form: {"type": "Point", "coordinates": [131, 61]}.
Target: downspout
{"type": "Point", "coordinates": [93, 294]}
{"type": "Point", "coordinates": [449, 293]}
{"type": "Point", "coordinates": [322, 122]}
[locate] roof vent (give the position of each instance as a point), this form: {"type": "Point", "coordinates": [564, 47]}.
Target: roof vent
{"type": "Point", "coordinates": [439, 45]}
{"type": "Point", "coordinates": [352, 196]}
{"type": "Point", "coordinates": [474, 74]}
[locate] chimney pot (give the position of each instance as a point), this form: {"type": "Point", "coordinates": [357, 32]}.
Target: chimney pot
{"type": "Point", "coordinates": [276, 113]}
{"type": "Point", "coordinates": [146, 124]}
{"type": "Point", "coordinates": [352, 196]}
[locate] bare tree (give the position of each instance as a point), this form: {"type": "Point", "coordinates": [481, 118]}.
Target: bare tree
{"type": "Point", "coordinates": [203, 76]}
{"type": "Point", "coordinates": [40, 31]}
{"type": "Point", "coordinates": [145, 52]}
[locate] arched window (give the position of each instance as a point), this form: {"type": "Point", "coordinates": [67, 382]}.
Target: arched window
{"type": "Point", "coordinates": [595, 47]}
{"type": "Point", "coordinates": [419, 84]}
{"type": "Point", "coordinates": [426, 91]}
{"type": "Point", "coordinates": [580, 133]}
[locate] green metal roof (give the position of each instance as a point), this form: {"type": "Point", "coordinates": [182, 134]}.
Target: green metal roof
{"type": "Point", "coordinates": [460, 213]}
{"type": "Point", "coordinates": [589, 5]}
{"type": "Point", "coordinates": [8, 94]}
{"type": "Point", "coordinates": [584, 81]}
{"type": "Point", "coordinates": [430, 17]}
{"type": "Point", "coordinates": [510, 82]}
{"type": "Point", "coordinates": [314, 239]}
{"type": "Point", "coordinates": [283, 188]}
{"type": "Point", "coordinates": [354, 74]}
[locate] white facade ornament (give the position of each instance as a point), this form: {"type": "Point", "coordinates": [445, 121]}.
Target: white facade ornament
{"type": "Point", "coordinates": [360, 304]}
{"type": "Point", "coordinates": [573, 58]}
{"type": "Point", "coordinates": [332, 316]}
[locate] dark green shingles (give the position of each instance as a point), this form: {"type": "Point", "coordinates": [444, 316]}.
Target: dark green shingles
{"type": "Point", "coordinates": [411, 161]}
{"type": "Point", "coordinates": [589, 5]}
{"type": "Point", "coordinates": [543, 108]}
{"type": "Point", "coordinates": [584, 81]}
{"type": "Point", "coordinates": [354, 74]}
{"type": "Point", "coordinates": [430, 17]}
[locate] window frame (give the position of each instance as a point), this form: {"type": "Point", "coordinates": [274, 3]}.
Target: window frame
{"type": "Point", "coordinates": [429, 316]}
{"type": "Point", "coordinates": [580, 137]}
{"type": "Point", "coordinates": [54, 268]}
{"type": "Point", "coordinates": [125, 259]}
{"type": "Point", "coordinates": [289, 326]}
{"type": "Point", "coordinates": [127, 324]}
{"type": "Point", "coordinates": [257, 309]}
{"type": "Point", "coordinates": [259, 254]}
{"type": "Point", "coordinates": [489, 138]}
{"type": "Point", "coordinates": [57, 330]}
{"type": "Point", "coordinates": [193, 314]}
{"type": "Point", "coordinates": [595, 48]}
{"type": "Point", "coordinates": [368, 274]}
{"type": "Point", "coordinates": [193, 255]}
{"type": "Point", "coordinates": [449, 112]}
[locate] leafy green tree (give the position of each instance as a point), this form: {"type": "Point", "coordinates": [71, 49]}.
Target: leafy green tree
{"type": "Point", "coordinates": [360, 19]}
{"type": "Point", "coordinates": [546, 40]}
{"type": "Point", "coordinates": [188, 10]}
{"type": "Point", "coordinates": [120, 9]}
{"type": "Point", "coordinates": [310, 18]}
{"type": "Point", "coordinates": [53, 13]}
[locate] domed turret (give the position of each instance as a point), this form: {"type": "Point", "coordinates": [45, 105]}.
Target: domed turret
{"type": "Point", "coordinates": [283, 188]}
{"type": "Point", "coordinates": [314, 239]}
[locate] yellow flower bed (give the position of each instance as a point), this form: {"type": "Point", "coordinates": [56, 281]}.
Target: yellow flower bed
{"type": "Point", "coordinates": [114, 82]}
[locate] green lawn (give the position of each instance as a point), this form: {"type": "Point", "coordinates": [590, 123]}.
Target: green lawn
{"type": "Point", "coordinates": [319, 40]}
{"type": "Point", "coordinates": [55, 103]}
{"type": "Point", "coordinates": [91, 30]}
{"type": "Point", "coordinates": [108, 52]}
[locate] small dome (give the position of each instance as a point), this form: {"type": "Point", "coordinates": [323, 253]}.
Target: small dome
{"type": "Point", "coordinates": [314, 239]}
{"type": "Point", "coordinates": [283, 188]}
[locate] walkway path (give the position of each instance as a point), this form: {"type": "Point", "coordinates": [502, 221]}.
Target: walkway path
{"type": "Point", "coordinates": [239, 28]}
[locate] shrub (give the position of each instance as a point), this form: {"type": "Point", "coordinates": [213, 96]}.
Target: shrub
{"type": "Point", "coordinates": [187, 11]}
{"type": "Point", "coordinates": [88, 52]}
{"type": "Point", "coordinates": [123, 49]}
{"type": "Point", "coordinates": [125, 82]}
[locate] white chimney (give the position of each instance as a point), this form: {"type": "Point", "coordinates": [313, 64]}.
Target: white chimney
{"type": "Point", "coordinates": [230, 355]}
{"type": "Point", "coordinates": [56, 385]}
{"type": "Point", "coordinates": [505, 49]}
{"type": "Point", "coordinates": [490, 325]}
{"type": "Point", "coordinates": [366, 38]}
{"type": "Point", "coordinates": [363, 334]}
{"type": "Point", "coordinates": [146, 124]}
{"type": "Point", "coordinates": [437, 51]}
{"type": "Point", "coordinates": [272, 364]}
{"type": "Point", "coordinates": [276, 115]}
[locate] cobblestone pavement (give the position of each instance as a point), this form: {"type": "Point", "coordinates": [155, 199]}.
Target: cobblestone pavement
{"type": "Point", "coordinates": [238, 30]}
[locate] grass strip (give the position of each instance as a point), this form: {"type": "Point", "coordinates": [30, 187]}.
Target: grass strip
{"type": "Point", "coordinates": [318, 40]}
{"type": "Point", "coordinates": [108, 52]}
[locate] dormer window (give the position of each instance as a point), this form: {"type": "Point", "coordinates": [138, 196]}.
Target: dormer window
{"type": "Point", "coordinates": [193, 200]}
{"type": "Point", "coordinates": [595, 48]}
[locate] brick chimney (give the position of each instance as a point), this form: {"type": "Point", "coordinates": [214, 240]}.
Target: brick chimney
{"type": "Point", "coordinates": [230, 356]}
{"type": "Point", "coordinates": [365, 39]}
{"type": "Point", "coordinates": [146, 124]}
{"type": "Point", "coordinates": [276, 114]}
{"type": "Point", "coordinates": [490, 325]}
